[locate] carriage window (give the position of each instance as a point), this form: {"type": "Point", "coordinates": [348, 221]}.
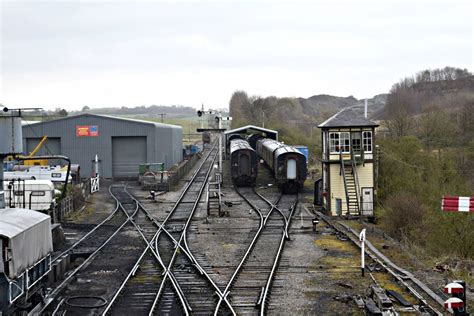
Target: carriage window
{"type": "Point", "coordinates": [367, 141]}
{"type": "Point", "coordinates": [38, 193]}
{"type": "Point", "coordinates": [18, 193]}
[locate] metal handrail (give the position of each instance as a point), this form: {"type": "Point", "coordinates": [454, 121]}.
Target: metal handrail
{"type": "Point", "coordinates": [15, 283]}
{"type": "Point", "coordinates": [356, 180]}
{"type": "Point", "coordinates": [344, 179]}
{"type": "Point", "coordinates": [47, 258]}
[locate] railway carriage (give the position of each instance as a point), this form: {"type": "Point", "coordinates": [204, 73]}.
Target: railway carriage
{"type": "Point", "coordinates": [288, 165]}
{"type": "Point", "coordinates": [206, 138]}
{"type": "Point", "coordinates": [243, 162]}
{"type": "Point", "coordinates": [252, 139]}
{"type": "Point", "coordinates": [25, 257]}
{"type": "Point", "coordinates": [229, 139]}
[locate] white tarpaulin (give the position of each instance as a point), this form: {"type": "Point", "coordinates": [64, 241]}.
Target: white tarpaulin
{"type": "Point", "coordinates": [28, 234]}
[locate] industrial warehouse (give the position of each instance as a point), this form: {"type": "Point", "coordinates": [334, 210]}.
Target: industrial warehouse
{"type": "Point", "coordinates": [121, 144]}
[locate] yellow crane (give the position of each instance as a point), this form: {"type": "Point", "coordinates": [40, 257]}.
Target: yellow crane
{"type": "Point", "coordinates": [37, 162]}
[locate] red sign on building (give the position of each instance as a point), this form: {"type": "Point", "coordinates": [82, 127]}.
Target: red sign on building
{"type": "Point", "coordinates": [87, 130]}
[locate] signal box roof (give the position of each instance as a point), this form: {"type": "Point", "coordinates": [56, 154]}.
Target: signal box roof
{"type": "Point", "coordinates": [348, 117]}
{"type": "Point", "coordinates": [252, 129]}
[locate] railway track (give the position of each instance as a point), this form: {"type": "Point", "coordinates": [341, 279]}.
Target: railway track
{"type": "Point", "coordinates": [96, 236]}
{"type": "Point", "coordinates": [102, 260]}
{"type": "Point", "coordinates": [196, 292]}
{"type": "Point", "coordinates": [166, 278]}
{"type": "Point", "coordinates": [152, 271]}
{"type": "Point", "coordinates": [249, 287]}
{"type": "Point", "coordinates": [137, 291]}
{"type": "Point", "coordinates": [430, 303]}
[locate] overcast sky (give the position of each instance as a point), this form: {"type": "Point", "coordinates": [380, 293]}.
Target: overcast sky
{"type": "Point", "coordinates": [73, 53]}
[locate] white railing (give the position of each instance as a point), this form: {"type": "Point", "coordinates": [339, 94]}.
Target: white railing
{"type": "Point", "coordinates": [18, 283]}
{"type": "Point", "coordinates": [95, 184]}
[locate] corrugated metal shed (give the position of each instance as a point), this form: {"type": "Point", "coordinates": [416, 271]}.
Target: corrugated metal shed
{"type": "Point", "coordinates": [83, 136]}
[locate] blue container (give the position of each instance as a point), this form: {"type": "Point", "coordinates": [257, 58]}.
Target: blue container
{"type": "Point", "coordinates": [195, 149]}
{"type": "Point", "coordinates": [304, 150]}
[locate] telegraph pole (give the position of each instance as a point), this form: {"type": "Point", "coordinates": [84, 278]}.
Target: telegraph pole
{"type": "Point", "coordinates": [162, 115]}
{"type": "Point", "coordinates": [202, 119]}
{"type": "Point", "coordinates": [219, 126]}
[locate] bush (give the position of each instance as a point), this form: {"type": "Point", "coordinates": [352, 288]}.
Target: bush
{"type": "Point", "coordinates": [403, 216]}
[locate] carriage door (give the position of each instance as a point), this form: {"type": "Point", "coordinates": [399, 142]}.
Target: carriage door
{"type": "Point", "coordinates": [244, 165]}
{"type": "Point", "coordinates": [291, 169]}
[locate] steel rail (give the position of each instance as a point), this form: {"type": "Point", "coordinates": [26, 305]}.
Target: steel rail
{"type": "Point", "coordinates": [355, 239]}
{"type": "Point", "coordinates": [171, 263]}
{"type": "Point", "coordinates": [244, 258]}
{"type": "Point", "coordinates": [263, 220]}
{"type": "Point", "coordinates": [183, 234]}
{"type": "Point", "coordinates": [277, 260]}
{"type": "Point", "coordinates": [52, 296]}
{"type": "Point", "coordinates": [137, 264]}
{"type": "Point", "coordinates": [85, 236]}
{"type": "Point", "coordinates": [161, 228]}
{"type": "Point", "coordinates": [89, 233]}
{"type": "Point", "coordinates": [155, 253]}
{"type": "Point", "coordinates": [183, 238]}
{"type": "Point", "coordinates": [401, 274]}
{"type": "Point", "coordinates": [274, 206]}
{"type": "Point", "coordinates": [158, 257]}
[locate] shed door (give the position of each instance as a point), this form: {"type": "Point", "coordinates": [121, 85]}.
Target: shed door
{"type": "Point", "coordinates": [127, 154]}
{"type": "Point", "coordinates": [244, 165]}
{"type": "Point", "coordinates": [291, 169]}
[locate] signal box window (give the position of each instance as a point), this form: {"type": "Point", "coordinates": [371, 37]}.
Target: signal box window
{"type": "Point", "coordinates": [367, 141]}
{"type": "Point", "coordinates": [339, 142]}
{"type": "Point", "coordinates": [334, 142]}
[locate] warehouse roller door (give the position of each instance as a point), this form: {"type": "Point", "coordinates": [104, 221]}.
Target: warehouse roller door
{"type": "Point", "coordinates": [127, 154]}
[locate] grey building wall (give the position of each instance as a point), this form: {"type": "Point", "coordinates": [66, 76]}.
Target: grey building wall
{"type": "Point", "coordinates": [163, 141]}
